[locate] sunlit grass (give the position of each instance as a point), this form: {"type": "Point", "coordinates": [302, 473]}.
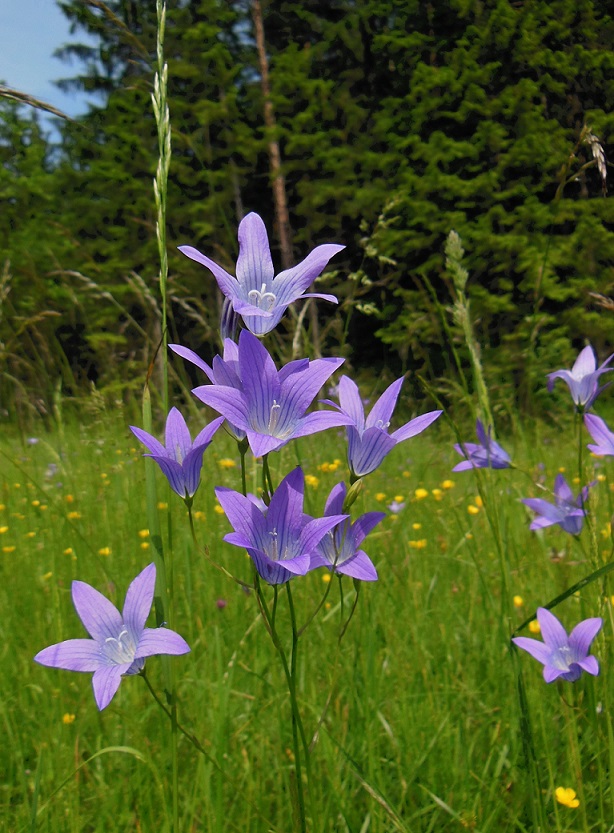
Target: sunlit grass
{"type": "Point", "coordinates": [417, 714]}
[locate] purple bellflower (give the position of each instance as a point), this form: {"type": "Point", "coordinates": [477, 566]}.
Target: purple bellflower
{"type": "Point", "coordinates": [281, 540]}
{"type": "Point", "coordinates": [583, 378]}
{"type": "Point", "coordinates": [224, 371]}
{"type": "Point", "coordinates": [339, 549]}
{"type": "Point", "coordinates": [599, 431]}
{"type": "Point", "coordinates": [120, 642]}
{"type": "Point", "coordinates": [368, 439]}
{"type": "Point", "coordinates": [561, 655]}
{"type": "Point", "coordinates": [271, 406]}
{"type": "Point", "coordinates": [567, 511]}
{"type": "Point", "coordinates": [257, 295]}
{"type": "Point", "coordinates": [485, 454]}
{"type": "Point", "coordinates": [182, 459]}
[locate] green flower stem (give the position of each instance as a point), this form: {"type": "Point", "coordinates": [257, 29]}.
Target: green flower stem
{"type": "Point", "coordinates": [298, 732]}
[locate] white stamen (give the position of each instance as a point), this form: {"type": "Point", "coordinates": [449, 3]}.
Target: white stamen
{"type": "Point", "coordinates": [262, 299]}
{"type": "Point", "coordinates": [383, 425]}
{"type": "Point", "coordinates": [273, 417]}
{"type": "Point", "coordinates": [119, 651]}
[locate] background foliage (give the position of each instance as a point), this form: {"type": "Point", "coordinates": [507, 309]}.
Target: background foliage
{"type": "Point", "coordinates": [397, 121]}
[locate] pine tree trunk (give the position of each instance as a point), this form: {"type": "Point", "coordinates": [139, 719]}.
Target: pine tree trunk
{"type": "Point", "coordinates": [279, 185]}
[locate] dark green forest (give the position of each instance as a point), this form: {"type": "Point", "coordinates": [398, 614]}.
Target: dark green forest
{"type": "Point", "coordinates": [395, 122]}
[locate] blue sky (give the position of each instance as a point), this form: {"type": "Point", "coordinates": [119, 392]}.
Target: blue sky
{"type": "Point", "coordinates": [30, 31]}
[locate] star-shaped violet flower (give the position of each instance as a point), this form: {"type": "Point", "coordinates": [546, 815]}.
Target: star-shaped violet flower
{"type": "Point", "coordinates": [561, 655]}
{"type": "Point", "coordinates": [567, 511]}
{"type": "Point", "coordinates": [181, 460]}
{"type": "Point", "coordinates": [224, 371]}
{"type": "Point", "coordinates": [271, 406]}
{"type": "Point", "coordinates": [485, 454]}
{"type": "Point", "coordinates": [368, 439]}
{"type": "Point", "coordinates": [583, 378]}
{"type": "Point", "coordinates": [257, 295]}
{"type": "Point", "coordinates": [120, 642]}
{"type": "Point", "coordinates": [281, 539]}
{"type": "Point", "coordinates": [339, 549]}
{"type": "Point", "coordinates": [599, 431]}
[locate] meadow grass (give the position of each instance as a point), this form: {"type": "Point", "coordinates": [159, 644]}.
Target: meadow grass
{"type": "Point", "coordinates": [415, 715]}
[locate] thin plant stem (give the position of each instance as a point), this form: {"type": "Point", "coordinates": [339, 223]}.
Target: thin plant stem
{"type": "Point", "coordinates": [298, 733]}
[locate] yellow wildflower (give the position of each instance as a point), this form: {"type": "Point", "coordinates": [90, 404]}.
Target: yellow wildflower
{"type": "Point", "coordinates": [326, 578]}
{"type": "Point", "coordinates": [473, 510]}
{"type": "Point", "coordinates": [534, 627]}
{"type": "Point", "coordinates": [399, 498]}
{"type": "Point", "coordinates": [3, 529]}
{"type": "Point", "coordinates": [567, 797]}
{"type": "Point", "coordinates": [162, 505]}
{"type": "Point", "coordinates": [406, 474]}
{"type": "Point", "coordinates": [69, 499]}
{"type": "Point", "coordinates": [418, 545]}
{"type": "Point", "coordinates": [73, 516]}
{"type": "Point", "coordinates": [601, 478]}
{"type": "Point", "coordinates": [143, 533]}
{"type": "Point", "coordinates": [144, 545]}
{"type": "Point", "coordinates": [47, 576]}
{"type": "Point", "coordinates": [311, 480]}
{"type": "Point", "coordinates": [8, 549]}
{"type": "Point", "coordinates": [30, 534]}
{"type": "Point", "coordinates": [380, 496]}
{"type": "Point", "coordinates": [217, 508]}
{"type": "Point", "coordinates": [437, 494]}
{"type": "Point", "coordinates": [416, 526]}
{"type": "Point", "coordinates": [420, 494]}
{"type": "Point", "coordinates": [68, 551]}
{"type": "Point", "coordinates": [67, 719]}
{"type": "Point", "coordinates": [518, 601]}
{"type": "Point", "coordinates": [447, 484]}
{"type": "Point", "coordinates": [36, 503]}
{"type": "Point", "coordinates": [226, 463]}
{"type": "Point", "coordinates": [562, 469]}
{"type": "Point", "coordinates": [104, 551]}
{"type": "Point", "coordinates": [478, 501]}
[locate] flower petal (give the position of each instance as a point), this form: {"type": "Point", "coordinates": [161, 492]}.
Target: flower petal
{"type": "Point", "coordinates": [553, 633]}
{"type": "Point", "coordinates": [173, 472]}
{"type": "Point", "coordinates": [415, 426]}
{"type": "Point", "coordinates": [581, 637]}
{"type": "Point", "coordinates": [105, 683]}
{"type": "Point", "coordinates": [161, 641]}
{"type": "Point", "coordinates": [72, 655]}
{"type": "Point", "coordinates": [381, 412]}
{"type": "Point", "coordinates": [537, 649]}
{"type": "Point", "coordinates": [100, 617]}
{"type": "Point", "coordinates": [366, 452]}
{"type": "Point", "coordinates": [177, 436]}
{"type": "Point", "coordinates": [360, 567]}
{"type": "Point", "coordinates": [139, 598]}
{"type": "Point", "coordinates": [151, 443]}
{"type": "Point", "coordinates": [194, 358]}
{"type": "Point", "coordinates": [226, 282]}
{"type": "Point", "coordinates": [254, 264]}
{"type": "Point", "coordinates": [289, 285]}
{"type": "Point", "coordinates": [350, 401]}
